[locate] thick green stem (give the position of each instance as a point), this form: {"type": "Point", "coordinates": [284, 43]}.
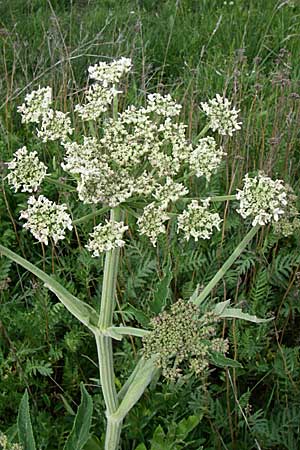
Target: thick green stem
{"type": "Point", "coordinates": [221, 272]}
{"type": "Point", "coordinates": [104, 343]}
{"type": "Point", "coordinates": [113, 432]}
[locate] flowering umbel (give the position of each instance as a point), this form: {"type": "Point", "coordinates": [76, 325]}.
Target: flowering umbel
{"type": "Point", "coordinates": [262, 199]}
{"type": "Point", "coordinates": [46, 220]}
{"type": "Point", "coordinates": [197, 221]}
{"type": "Point", "coordinates": [141, 154]}
{"type": "Point", "coordinates": [182, 340]}
{"type": "Point", "coordinates": [106, 237]}
{"type": "Point", "coordinates": [221, 118]}
{"type": "Point", "coordinates": [36, 105]}
{"type": "Point", "coordinates": [26, 171]}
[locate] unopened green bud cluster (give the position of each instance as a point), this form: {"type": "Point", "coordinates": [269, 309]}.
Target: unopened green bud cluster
{"type": "Point", "coordinates": [182, 340]}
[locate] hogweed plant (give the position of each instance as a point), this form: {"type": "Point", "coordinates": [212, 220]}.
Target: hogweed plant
{"type": "Point", "coordinates": [137, 161]}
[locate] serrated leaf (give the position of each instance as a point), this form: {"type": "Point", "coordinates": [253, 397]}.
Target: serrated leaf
{"type": "Point", "coordinates": [237, 313]}
{"type": "Point", "coordinates": [25, 432]}
{"type": "Point", "coordinates": [220, 360]}
{"type": "Point", "coordinates": [185, 426]}
{"type": "Point", "coordinates": [82, 422]}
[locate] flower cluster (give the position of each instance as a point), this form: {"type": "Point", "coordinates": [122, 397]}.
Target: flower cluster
{"type": "Point", "coordinates": [27, 171]}
{"type": "Point", "coordinates": [290, 222]}
{"type": "Point", "coordinates": [206, 157]}
{"type": "Point", "coordinates": [262, 198]}
{"type": "Point", "coordinates": [163, 105]}
{"type": "Point", "coordinates": [110, 74]}
{"type": "Point", "coordinates": [106, 237]}
{"type": "Point", "coordinates": [151, 223]}
{"type": "Point", "coordinates": [139, 152]}
{"type": "Point", "coordinates": [197, 221]}
{"type": "Point", "coordinates": [36, 105]}
{"type": "Point", "coordinates": [98, 98]}
{"type": "Point", "coordinates": [183, 341]}
{"type": "Point", "coordinates": [6, 445]}
{"type": "Point", "coordinates": [46, 220]}
{"type": "Point", "coordinates": [55, 125]}
{"type": "Point", "coordinates": [221, 118]}
{"type": "Point", "coordinates": [169, 192]}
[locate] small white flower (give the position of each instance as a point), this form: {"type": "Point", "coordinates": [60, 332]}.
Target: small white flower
{"type": "Point", "coordinates": [36, 105]}
{"type": "Point", "coordinates": [105, 185]}
{"type": "Point", "coordinates": [151, 223]}
{"type": "Point", "coordinates": [110, 74]}
{"type": "Point", "coordinates": [221, 117]}
{"type": "Point", "coordinates": [98, 98]}
{"type": "Point", "coordinates": [46, 220]}
{"type": "Point", "coordinates": [206, 157]}
{"type": "Point", "coordinates": [262, 198]}
{"type": "Point", "coordinates": [106, 237]}
{"type": "Point", "coordinates": [162, 105]}
{"type": "Point", "coordinates": [55, 125]}
{"type": "Point", "coordinates": [82, 158]}
{"type": "Point", "coordinates": [197, 221]}
{"type": "Point", "coordinates": [27, 171]}
{"type": "Point", "coordinates": [169, 192]}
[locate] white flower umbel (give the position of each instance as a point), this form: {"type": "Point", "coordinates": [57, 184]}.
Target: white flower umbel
{"type": "Point", "coordinates": [55, 125]}
{"type": "Point", "coordinates": [98, 99]}
{"type": "Point", "coordinates": [105, 186]}
{"type": "Point", "coordinates": [110, 74]}
{"type": "Point", "coordinates": [151, 223]}
{"type": "Point", "coordinates": [206, 157]}
{"type": "Point", "coordinates": [46, 220]}
{"type": "Point", "coordinates": [221, 118]}
{"type": "Point", "coordinates": [162, 105]}
{"type": "Point", "coordinates": [106, 237]}
{"type": "Point", "coordinates": [36, 104]}
{"type": "Point", "coordinates": [82, 158]}
{"type": "Point", "coordinates": [27, 171]}
{"type": "Point", "coordinates": [262, 198]}
{"type": "Point", "coordinates": [197, 221]}
{"type": "Point", "coordinates": [169, 192]}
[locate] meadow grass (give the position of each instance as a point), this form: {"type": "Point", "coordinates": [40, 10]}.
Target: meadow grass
{"type": "Point", "coordinates": [249, 51]}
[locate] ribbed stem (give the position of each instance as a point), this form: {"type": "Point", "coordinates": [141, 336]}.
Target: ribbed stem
{"type": "Point", "coordinates": [107, 374]}
{"type": "Point", "coordinates": [104, 343]}
{"type": "Point", "coordinates": [221, 272]}
{"type": "Point", "coordinates": [113, 432]}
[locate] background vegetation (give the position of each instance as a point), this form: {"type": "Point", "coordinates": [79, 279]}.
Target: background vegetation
{"type": "Point", "coordinates": [246, 49]}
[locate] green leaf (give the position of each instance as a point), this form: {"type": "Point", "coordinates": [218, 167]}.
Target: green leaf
{"type": "Point", "coordinates": [237, 313]}
{"type": "Point", "coordinates": [185, 426]}
{"type": "Point", "coordinates": [141, 447]}
{"type": "Point", "coordinates": [224, 311]}
{"type": "Point", "coordinates": [162, 291]}
{"type": "Point", "coordinates": [135, 390]}
{"type": "Point", "coordinates": [82, 311]}
{"type": "Point", "coordinates": [92, 444]}
{"type": "Point", "coordinates": [139, 315]}
{"type": "Point", "coordinates": [220, 360]}
{"type": "Point", "coordinates": [158, 440]}
{"type": "Point", "coordinates": [25, 432]}
{"type": "Point", "coordinates": [82, 422]}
